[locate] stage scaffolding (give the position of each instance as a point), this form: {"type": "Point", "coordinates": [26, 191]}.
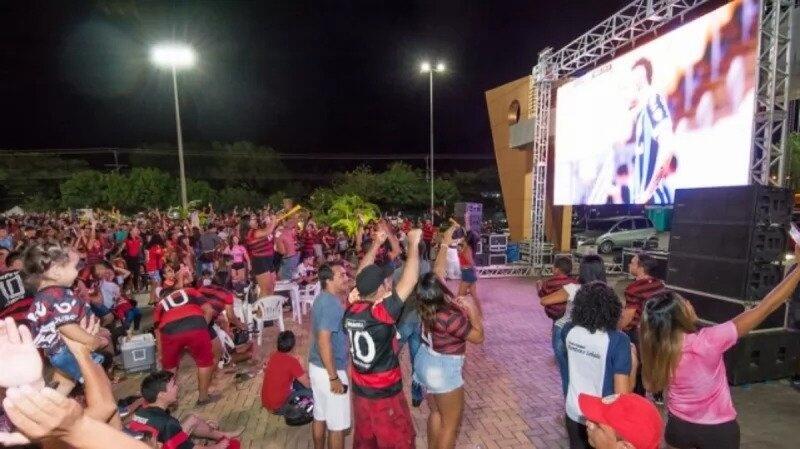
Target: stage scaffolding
{"type": "Point", "coordinates": [623, 29]}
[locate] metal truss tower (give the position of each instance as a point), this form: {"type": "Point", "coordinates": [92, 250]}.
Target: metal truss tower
{"type": "Point", "coordinates": [623, 29]}
{"type": "Point", "coordinates": [770, 126]}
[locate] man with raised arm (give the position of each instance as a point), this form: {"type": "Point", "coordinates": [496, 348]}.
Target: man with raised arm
{"type": "Point", "coordinates": [382, 417]}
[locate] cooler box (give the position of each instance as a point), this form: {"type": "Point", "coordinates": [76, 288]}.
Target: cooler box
{"type": "Point", "coordinates": [139, 353]}
{"type": "Point", "coordinates": [512, 252]}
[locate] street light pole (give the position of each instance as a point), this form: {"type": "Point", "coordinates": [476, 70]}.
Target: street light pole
{"type": "Point", "coordinates": [176, 56]}
{"type": "Point", "coordinates": [430, 83]}
{"type": "Point", "coordinates": [184, 201]}
{"type": "Point", "coordinates": [426, 67]}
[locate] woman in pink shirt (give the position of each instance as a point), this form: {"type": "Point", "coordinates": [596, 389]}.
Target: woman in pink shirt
{"type": "Point", "coordinates": [686, 363]}
{"type": "Point", "coordinates": [241, 260]}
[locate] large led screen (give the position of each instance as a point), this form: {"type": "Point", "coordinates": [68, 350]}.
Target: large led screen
{"type": "Point", "coordinates": [674, 113]}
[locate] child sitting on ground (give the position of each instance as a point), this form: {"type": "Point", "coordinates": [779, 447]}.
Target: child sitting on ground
{"type": "Point", "coordinates": [285, 380]}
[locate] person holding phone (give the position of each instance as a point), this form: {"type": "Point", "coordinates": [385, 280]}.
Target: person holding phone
{"type": "Point", "coordinates": [327, 360]}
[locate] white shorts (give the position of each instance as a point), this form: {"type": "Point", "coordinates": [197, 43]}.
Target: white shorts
{"type": "Point", "coordinates": [332, 408]}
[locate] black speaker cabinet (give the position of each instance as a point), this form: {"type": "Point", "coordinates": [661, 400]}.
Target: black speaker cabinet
{"type": "Point", "coordinates": [764, 355]}
{"type": "Point", "coordinates": [749, 204]}
{"type": "Point", "coordinates": [733, 278]}
{"type": "Point", "coordinates": [759, 243]}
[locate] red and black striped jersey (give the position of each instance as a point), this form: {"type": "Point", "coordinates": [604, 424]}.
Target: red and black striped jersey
{"type": "Point", "coordinates": [180, 311]}
{"type": "Point", "coordinates": [260, 246]}
{"type": "Point", "coordinates": [217, 297]}
{"type": "Point", "coordinates": [449, 333]}
{"type": "Point", "coordinates": [636, 294]}
{"type": "Point", "coordinates": [550, 286]}
{"type": "Point", "coordinates": [162, 426]}
{"type": "Point", "coordinates": [14, 300]}
{"type": "Point", "coordinates": [374, 346]}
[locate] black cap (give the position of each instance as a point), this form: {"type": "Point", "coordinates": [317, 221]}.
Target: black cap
{"type": "Point", "coordinates": [370, 278]}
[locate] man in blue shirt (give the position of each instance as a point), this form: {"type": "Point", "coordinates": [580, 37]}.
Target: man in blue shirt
{"type": "Point", "coordinates": [328, 360]}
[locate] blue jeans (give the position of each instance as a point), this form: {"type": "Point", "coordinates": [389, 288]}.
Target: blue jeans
{"type": "Point", "coordinates": [133, 316]}
{"type": "Point", "coordinates": [560, 352]}
{"type": "Point", "coordinates": [66, 362]}
{"type": "Point", "coordinates": [410, 332]}
{"type": "Point", "coordinates": [288, 265]}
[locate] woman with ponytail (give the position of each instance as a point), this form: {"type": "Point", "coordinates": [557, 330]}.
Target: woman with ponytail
{"type": "Point", "coordinates": [447, 325]}
{"type": "Point", "coordinates": [686, 363]}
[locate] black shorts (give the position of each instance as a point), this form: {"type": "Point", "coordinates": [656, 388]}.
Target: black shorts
{"type": "Point", "coordinates": [682, 434]}
{"type": "Point", "coordinates": [263, 265]}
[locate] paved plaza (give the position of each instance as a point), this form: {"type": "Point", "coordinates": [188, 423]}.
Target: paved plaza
{"type": "Point", "coordinates": [513, 398]}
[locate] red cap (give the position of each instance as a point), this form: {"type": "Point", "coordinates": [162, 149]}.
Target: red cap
{"type": "Point", "coordinates": [634, 418]}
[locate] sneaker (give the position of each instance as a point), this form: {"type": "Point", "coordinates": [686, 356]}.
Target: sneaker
{"type": "Point", "coordinates": [416, 394]}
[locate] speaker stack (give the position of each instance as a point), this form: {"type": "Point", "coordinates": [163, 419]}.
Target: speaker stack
{"type": "Point", "coordinates": [727, 250]}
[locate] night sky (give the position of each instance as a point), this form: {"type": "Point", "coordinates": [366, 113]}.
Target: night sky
{"type": "Point", "coordinates": [301, 77]}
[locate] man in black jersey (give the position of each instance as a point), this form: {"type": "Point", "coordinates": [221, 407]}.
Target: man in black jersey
{"type": "Point", "coordinates": [381, 413]}
{"type": "Point", "coordinates": [160, 390]}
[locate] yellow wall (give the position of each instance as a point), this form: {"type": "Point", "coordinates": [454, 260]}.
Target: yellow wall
{"type": "Point", "coordinates": [514, 166]}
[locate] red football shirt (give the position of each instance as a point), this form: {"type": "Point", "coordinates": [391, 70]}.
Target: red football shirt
{"type": "Point", "coordinates": [280, 371]}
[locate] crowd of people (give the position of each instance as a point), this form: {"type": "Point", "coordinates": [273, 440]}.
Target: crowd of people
{"type": "Point", "coordinates": [71, 287]}
{"type": "Point", "coordinates": [639, 349]}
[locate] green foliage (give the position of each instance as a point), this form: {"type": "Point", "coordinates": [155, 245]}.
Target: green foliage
{"type": "Point", "coordinates": [244, 164]}
{"type": "Point", "coordinates": [348, 211]}
{"type": "Point", "coordinates": [230, 197]}
{"type": "Point", "coordinates": [793, 146]}
{"type": "Point", "coordinates": [198, 192]}
{"type": "Point", "coordinates": [86, 188]}
{"type": "Point", "coordinates": [34, 177]}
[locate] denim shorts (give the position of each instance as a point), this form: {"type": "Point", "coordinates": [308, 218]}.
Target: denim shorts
{"type": "Point", "coordinates": [438, 373]}
{"type": "Point", "coordinates": [468, 275]}
{"type": "Point", "coordinates": [65, 361]}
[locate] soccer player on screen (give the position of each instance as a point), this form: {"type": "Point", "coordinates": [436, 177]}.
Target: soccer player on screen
{"type": "Point", "coordinates": [652, 137]}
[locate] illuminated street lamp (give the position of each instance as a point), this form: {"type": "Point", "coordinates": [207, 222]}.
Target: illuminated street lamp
{"type": "Point", "coordinates": [176, 56]}
{"type": "Point", "coordinates": [426, 67]}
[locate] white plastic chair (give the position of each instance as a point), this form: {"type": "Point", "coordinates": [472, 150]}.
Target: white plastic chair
{"type": "Point", "coordinates": [268, 308]}
{"type": "Point", "coordinates": [307, 295]}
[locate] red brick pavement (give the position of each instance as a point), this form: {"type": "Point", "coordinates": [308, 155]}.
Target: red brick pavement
{"type": "Point", "coordinates": [513, 397]}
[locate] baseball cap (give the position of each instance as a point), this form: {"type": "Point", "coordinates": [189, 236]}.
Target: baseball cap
{"type": "Point", "coordinates": [633, 417]}
{"type": "Point", "coordinates": [370, 278]}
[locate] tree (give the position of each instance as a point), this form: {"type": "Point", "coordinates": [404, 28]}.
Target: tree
{"type": "Point", "coordinates": [361, 182]}
{"type": "Point", "coordinates": [86, 188]}
{"type": "Point", "coordinates": [793, 146]}
{"type": "Point", "coordinates": [230, 197]}
{"type": "Point", "coordinates": [198, 191]}
{"type": "Point", "coordinates": [142, 188]}
{"type": "Point", "coordinates": [24, 175]}
{"type": "Point", "coordinates": [348, 212]}
{"type": "Point", "coordinates": [244, 164]}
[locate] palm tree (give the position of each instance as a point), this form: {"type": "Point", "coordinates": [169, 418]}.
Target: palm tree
{"type": "Point", "coordinates": [348, 212]}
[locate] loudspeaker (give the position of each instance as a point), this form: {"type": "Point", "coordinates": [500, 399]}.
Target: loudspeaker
{"type": "Point", "coordinates": [716, 310]}
{"type": "Point", "coordinates": [758, 243]}
{"type": "Point", "coordinates": [733, 278]}
{"type": "Point", "coordinates": [729, 241]}
{"type": "Point", "coordinates": [471, 215]}
{"type": "Point", "coordinates": [737, 204]}
{"type": "Point", "coordinates": [762, 356]}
